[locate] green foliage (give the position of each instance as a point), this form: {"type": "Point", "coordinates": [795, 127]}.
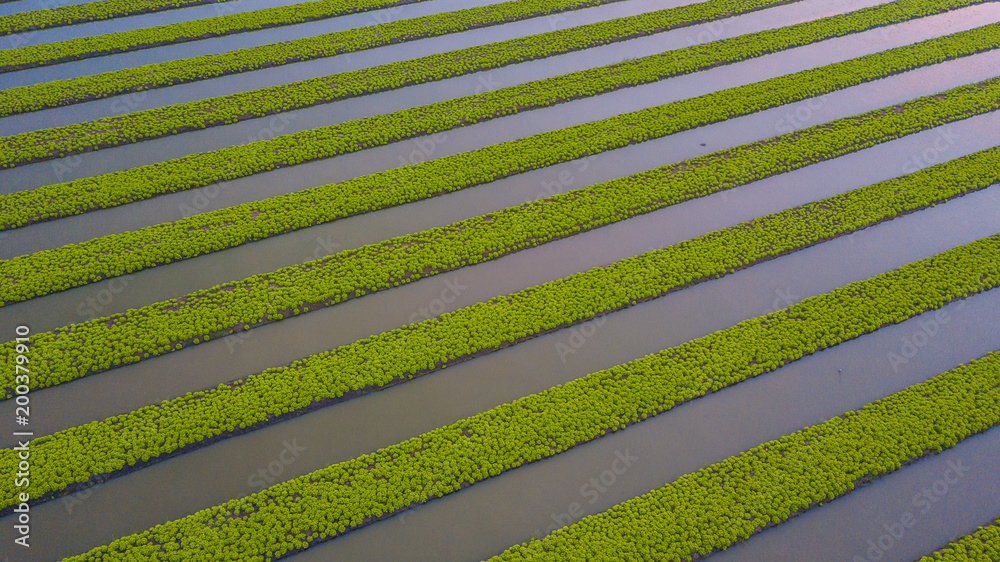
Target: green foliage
{"type": "Point", "coordinates": [983, 545]}
{"type": "Point", "coordinates": [46, 144]}
{"type": "Point", "coordinates": [78, 454]}
{"type": "Point", "coordinates": [79, 264]}
{"type": "Point", "coordinates": [729, 501]}
{"type": "Point", "coordinates": [827, 458]}
{"type": "Point", "coordinates": [180, 71]}
{"type": "Point", "coordinates": [33, 56]}
{"type": "Point", "coordinates": [86, 12]}
{"type": "Point", "coordinates": [103, 343]}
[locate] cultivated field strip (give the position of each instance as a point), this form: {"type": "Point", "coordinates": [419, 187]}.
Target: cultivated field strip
{"type": "Point", "coordinates": [712, 333]}
{"type": "Point", "coordinates": [171, 325]}
{"type": "Point", "coordinates": [98, 450]}
{"type": "Point", "coordinates": [45, 272]}
{"type": "Point", "coordinates": [329, 502]}
{"type": "Point", "coordinates": [248, 105]}
{"type": "Point", "coordinates": [189, 172]}
{"type": "Point", "coordinates": [160, 75]}
{"type": "Point", "coordinates": [135, 127]}
{"type": "Point", "coordinates": [729, 501]}
{"type": "Point", "coordinates": [982, 545]}
{"type": "Point", "coordinates": [87, 12]}
{"type": "Point", "coordinates": [33, 56]}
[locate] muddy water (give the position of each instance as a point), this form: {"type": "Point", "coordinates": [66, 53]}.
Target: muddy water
{"type": "Point", "coordinates": [566, 63]}
{"type": "Point", "coordinates": [719, 429]}
{"type": "Point", "coordinates": [31, 5]}
{"type": "Point", "coordinates": [842, 530]}
{"type": "Point", "coordinates": [132, 22]}
{"type": "Point", "coordinates": [172, 207]}
{"type": "Point", "coordinates": [489, 517]}
{"type": "Point", "coordinates": [161, 149]}
{"type": "Point", "coordinates": [492, 515]}
{"type": "Point", "coordinates": [61, 309]}
{"type": "Point", "coordinates": [320, 67]}
{"type": "Point", "coordinates": [206, 365]}
{"type": "Point", "coordinates": [226, 43]}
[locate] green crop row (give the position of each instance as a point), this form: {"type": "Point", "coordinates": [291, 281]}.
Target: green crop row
{"type": "Point", "coordinates": [135, 127]}
{"type": "Point", "coordinates": [104, 343]}
{"type": "Point", "coordinates": [57, 269]}
{"type": "Point", "coordinates": [347, 495]}
{"type": "Point", "coordinates": [33, 56]}
{"type": "Point", "coordinates": [983, 545]}
{"type": "Point", "coordinates": [189, 172]}
{"type": "Point", "coordinates": [164, 327]}
{"type": "Point", "coordinates": [86, 88]}
{"type": "Point", "coordinates": [99, 449]}
{"type": "Point", "coordinates": [89, 11]}
{"type": "Point", "coordinates": [727, 502]}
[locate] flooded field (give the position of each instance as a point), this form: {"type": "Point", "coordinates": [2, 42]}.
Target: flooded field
{"type": "Point", "coordinates": [194, 469]}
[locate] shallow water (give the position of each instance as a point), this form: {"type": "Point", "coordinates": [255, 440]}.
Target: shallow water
{"type": "Point", "coordinates": [149, 286]}
{"type": "Point", "coordinates": [492, 515]}
{"type": "Point", "coordinates": [108, 160]}
{"type": "Point", "coordinates": [208, 364]}
{"type": "Point", "coordinates": [260, 186]}
{"type": "Point", "coordinates": [132, 22]}
{"type": "Point", "coordinates": [212, 475]}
